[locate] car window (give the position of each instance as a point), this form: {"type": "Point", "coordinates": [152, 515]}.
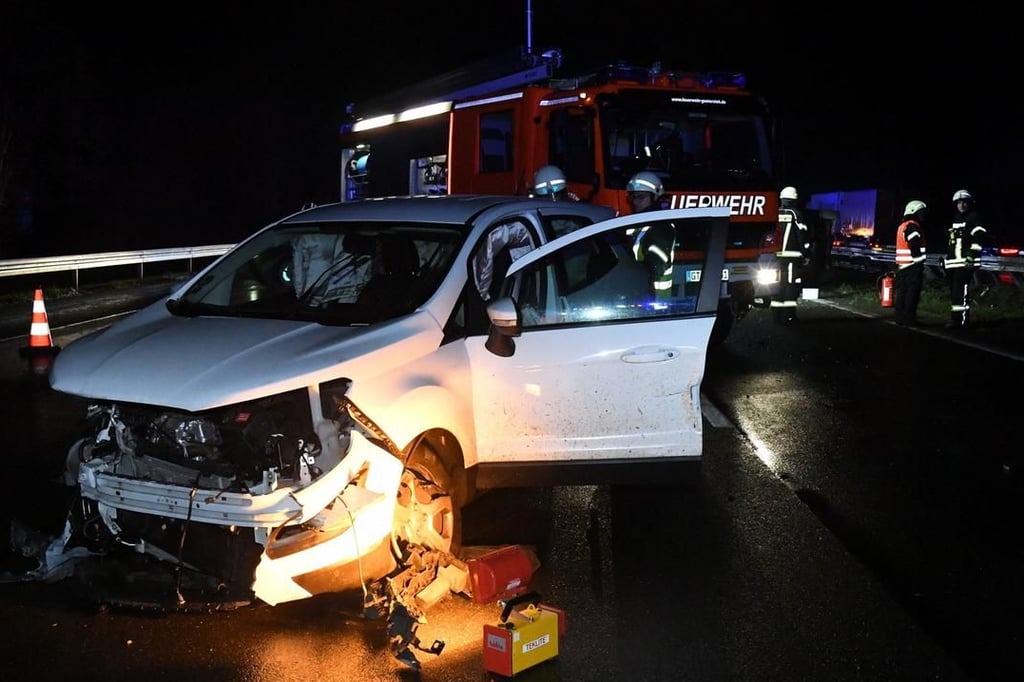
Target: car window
{"type": "Point", "coordinates": [509, 240]}
{"type": "Point", "coordinates": [557, 225]}
{"type": "Point", "coordinates": [605, 277]}
{"type": "Point", "coordinates": [503, 243]}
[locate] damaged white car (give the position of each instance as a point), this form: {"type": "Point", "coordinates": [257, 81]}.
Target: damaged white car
{"type": "Point", "coordinates": [315, 408]}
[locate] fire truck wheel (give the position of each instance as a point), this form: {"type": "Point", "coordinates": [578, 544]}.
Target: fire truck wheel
{"type": "Point", "coordinates": [428, 513]}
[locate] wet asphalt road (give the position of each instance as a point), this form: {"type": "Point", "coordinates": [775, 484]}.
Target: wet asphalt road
{"type": "Point", "coordinates": [788, 561]}
{"type": "Point", "coordinates": [903, 442]}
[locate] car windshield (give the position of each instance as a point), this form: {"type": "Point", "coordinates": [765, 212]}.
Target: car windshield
{"type": "Point", "coordinates": [688, 142]}
{"type": "Point", "coordinates": [328, 272]}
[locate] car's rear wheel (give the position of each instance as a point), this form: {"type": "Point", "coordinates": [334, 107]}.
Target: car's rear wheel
{"type": "Point", "coordinates": [428, 512]}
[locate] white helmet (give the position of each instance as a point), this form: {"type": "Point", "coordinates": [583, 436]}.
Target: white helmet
{"type": "Point", "coordinates": [646, 181]}
{"type": "Point", "coordinates": [789, 193]}
{"type": "Point", "coordinates": [962, 195]}
{"type": "Point", "coordinates": [913, 207]}
{"type": "Point", "coordinates": [548, 181]}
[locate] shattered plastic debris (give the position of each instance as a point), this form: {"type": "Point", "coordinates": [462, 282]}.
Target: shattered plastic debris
{"type": "Point", "coordinates": [18, 568]}
{"type": "Point", "coordinates": [429, 577]}
{"type": "Point", "coordinates": [37, 556]}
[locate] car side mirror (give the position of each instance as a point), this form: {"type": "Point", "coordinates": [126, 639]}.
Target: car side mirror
{"type": "Point", "coordinates": [505, 324]}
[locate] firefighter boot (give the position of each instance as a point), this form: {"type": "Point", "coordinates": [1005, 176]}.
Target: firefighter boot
{"type": "Point", "coordinates": [958, 320]}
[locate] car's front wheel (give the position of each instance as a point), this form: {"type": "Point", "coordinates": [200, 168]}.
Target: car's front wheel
{"type": "Point", "coordinates": [428, 511]}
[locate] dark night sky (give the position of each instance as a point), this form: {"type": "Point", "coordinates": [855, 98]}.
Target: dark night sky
{"type": "Point", "coordinates": [175, 125]}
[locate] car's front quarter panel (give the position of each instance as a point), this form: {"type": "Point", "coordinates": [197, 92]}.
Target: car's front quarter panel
{"type": "Point", "coordinates": [433, 391]}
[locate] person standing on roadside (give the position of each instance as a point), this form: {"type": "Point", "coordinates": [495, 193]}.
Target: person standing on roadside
{"type": "Point", "coordinates": [794, 248]}
{"type": "Point", "coordinates": [910, 257]}
{"type": "Point", "coordinates": [967, 237]}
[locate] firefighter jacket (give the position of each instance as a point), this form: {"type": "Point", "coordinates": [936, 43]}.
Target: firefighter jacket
{"type": "Point", "coordinates": [796, 238]}
{"type": "Point", "coordinates": [966, 239]}
{"type": "Point", "coordinates": [909, 244]}
{"type": "Point", "coordinates": [654, 246]}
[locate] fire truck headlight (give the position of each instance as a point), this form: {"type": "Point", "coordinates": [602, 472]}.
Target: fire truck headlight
{"type": "Point", "coordinates": [767, 276]}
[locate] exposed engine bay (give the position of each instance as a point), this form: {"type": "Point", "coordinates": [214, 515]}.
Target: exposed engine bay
{"type": "Point", "coordinates": [241, 448]}
{"type": "Point", "coordinates": [218, 501]}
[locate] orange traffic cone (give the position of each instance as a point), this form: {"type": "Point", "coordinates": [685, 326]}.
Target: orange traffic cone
{"type": "Point", "coordinates": [40, 349]}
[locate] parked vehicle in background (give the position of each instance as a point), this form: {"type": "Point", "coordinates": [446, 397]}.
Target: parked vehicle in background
{"type": "Point", "coordinates": [315, 408]}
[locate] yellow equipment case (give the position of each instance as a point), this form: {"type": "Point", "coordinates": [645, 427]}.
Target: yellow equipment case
{"type": "Point", "coordinates": [528, 634]}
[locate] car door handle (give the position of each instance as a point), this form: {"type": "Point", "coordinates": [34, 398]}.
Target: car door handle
{"type": "Point", "coordinates": [651, 354]}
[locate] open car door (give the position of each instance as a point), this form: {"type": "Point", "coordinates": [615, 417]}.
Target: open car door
{"type": "Point", "coordinates": [596, 353]}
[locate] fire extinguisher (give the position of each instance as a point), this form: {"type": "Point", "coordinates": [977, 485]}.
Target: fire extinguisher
{"type": "Point", "coordinates": [885, 289]}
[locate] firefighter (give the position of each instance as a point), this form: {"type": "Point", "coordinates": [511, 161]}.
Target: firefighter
{"type": "Point", "coordinates": [794, 249]}
{"type": "Point", "coordinates": [910, 257]}
{"type": "Point", "coordinates": [549, 181]}
{"type": "Point", "coordinates": [653, 245]}
{"type": "Point", "coordinates": [963, 254]}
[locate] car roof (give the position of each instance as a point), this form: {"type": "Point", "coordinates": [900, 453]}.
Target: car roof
{"type": "Point", "coordinates": [457, 209]}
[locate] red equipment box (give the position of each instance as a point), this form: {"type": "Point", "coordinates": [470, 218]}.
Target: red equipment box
{"type": "Point", "coordinates": [501, 574]}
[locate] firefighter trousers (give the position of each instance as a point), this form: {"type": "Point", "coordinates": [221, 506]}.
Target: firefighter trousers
{"type": "Point", "coordinates": [790, 282]}
{"type": "Point", "coordinates": [960, 295]}
{"type": "Point", "coordinates": [907, 293]}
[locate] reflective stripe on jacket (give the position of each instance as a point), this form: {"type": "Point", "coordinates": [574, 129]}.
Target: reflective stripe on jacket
{"type": "Point", "coordinates": [656, 249]}
{"type": "Point", "coordinates": [966, 237]}
{"type": "Point", "coordinates": [795, 235]}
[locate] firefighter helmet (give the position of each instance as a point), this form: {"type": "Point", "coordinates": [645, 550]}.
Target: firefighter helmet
{"type": "Point", "coordinates": [789, 193]}
{"type": "Point", "coordinates": [646, 181]}
{"type": "Point", "coordinates": [548, 181]}
{"type": "Point", "coordinates": [962, 195]}
{"type": "Point", "coordinates": [914, 206]}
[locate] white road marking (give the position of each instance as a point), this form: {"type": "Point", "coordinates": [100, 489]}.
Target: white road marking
{"type": "Point", "coordinates": [929, 332]}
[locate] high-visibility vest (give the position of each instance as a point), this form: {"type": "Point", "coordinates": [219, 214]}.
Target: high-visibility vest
{"type": "Point", "coordinates": [908, 231]}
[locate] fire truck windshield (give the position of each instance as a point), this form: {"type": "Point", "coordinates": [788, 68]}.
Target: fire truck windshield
{"type": "Point", "coordinates": [699, 141]}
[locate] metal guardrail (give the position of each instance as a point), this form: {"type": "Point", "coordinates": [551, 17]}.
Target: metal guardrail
{"type": "Point", "coordinates": [75, 263]}
{"type": "Point", "coordinates": [855, 257]}
{"type": "Point", "coordinates": [881, 258]}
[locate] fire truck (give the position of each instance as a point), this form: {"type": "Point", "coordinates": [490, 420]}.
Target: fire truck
{"type": "Point", "coordinates": [486, 129]}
